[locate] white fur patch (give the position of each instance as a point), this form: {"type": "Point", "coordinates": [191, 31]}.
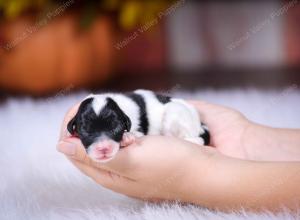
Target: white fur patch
{"type": "Point", "coordinates": [98, 103]}
{"type": "Point", "coordinates": [129, 107]}
{"type": "Point", "coordinates": [176, 118]}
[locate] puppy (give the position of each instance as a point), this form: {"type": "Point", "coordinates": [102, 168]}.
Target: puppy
{"type": "Point", "coordinates": [106, 122]}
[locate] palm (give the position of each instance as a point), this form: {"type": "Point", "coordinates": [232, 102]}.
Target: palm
{"type": "Point", "coordinates": [227, 128]}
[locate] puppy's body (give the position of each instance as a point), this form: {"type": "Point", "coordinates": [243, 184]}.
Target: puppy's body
{"type": "Point", "coordinates": [106, 121]}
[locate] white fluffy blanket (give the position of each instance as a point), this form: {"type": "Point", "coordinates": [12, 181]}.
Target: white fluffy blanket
{"type": "Point", "coordinates": [36, 182]}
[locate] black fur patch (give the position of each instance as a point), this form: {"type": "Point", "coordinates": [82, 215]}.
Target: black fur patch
{"type": "Point", "coordinates": [205, 135]}
{"type": "Point", "coordinates": [163, 99]}
{"type": "Point", "coordinates": [144, 122]}
{"type": "Point", "coordinates": [111, 122]}
{"type": "Point", "coordinates": [79, 121]}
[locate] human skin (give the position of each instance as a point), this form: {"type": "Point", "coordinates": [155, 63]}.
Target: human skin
{"type": "Point", "coordinates": [225, 176]}
{"type": "Point", "coordinates": [234, 135]}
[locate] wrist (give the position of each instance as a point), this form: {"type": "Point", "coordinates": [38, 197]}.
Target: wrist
{"type": "Point", "coordinates": [253, 139]}
{"type": "Point", "coordinates": [260, 142]}
{"type": "Point", "coordinates": [271, 144]}
{"type": "Point", "coordinates": [200, 183]}
{"type": "Point", "coordinates": [214, 175]}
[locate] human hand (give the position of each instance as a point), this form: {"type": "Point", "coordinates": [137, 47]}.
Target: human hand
{"type": "Point", "coordinates": [229, 129]}
{"type": "Point", "coordinates": [164, 168]}
{"type": "Point", "coordinates": [153, 168]}
{"type": "Point", "coordinates": [234, 135]}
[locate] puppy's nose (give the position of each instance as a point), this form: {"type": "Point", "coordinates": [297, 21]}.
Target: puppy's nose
{"type": "Point", "coordinates": [104, 147]}
{"type": "Point", "coordinates": [105, 150]}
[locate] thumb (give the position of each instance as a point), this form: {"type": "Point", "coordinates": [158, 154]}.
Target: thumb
{"type": "Point", "coordinates": [105, 178]}
{"type": "Point", "coordinates": [73, 148]}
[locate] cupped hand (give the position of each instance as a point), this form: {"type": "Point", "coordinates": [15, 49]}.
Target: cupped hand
{"type": "Point", "coordinates": [153, 168]}
{"type": "Point", "coordinates": [230, 131]}
{"type": "Point", "coordinates": [165, 168]}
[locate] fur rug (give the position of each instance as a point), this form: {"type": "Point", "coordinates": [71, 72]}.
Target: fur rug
{"type": "Point", "coordinates": [36, 182]}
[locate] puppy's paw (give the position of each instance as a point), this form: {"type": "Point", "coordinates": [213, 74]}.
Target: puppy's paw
{"type": "Point", "coordinates": [128, 139]}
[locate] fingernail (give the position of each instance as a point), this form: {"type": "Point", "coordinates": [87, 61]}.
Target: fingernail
{"type": "Point", "coordinates": [66, 148]}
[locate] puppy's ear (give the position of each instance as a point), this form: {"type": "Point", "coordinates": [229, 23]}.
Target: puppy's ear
{"type": "Point", "coordinates": [72, 126]}
{"type": "Point", "coordinates": [111, 104]}
{"type": "Point", "coordinates": [127, 122]}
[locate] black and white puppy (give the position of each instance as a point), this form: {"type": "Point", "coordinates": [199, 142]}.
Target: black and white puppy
{"type": "Point", "coordinates": [106, 122]}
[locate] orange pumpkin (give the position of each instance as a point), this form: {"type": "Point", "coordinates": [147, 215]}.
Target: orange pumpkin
{"type": "Point", "coordinates": [41, 58]}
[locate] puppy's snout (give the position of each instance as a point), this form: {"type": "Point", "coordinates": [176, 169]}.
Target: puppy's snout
{"type": "Point", "coordinates": [103, 150]}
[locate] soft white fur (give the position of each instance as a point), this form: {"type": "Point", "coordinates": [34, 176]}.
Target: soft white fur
{"type": "Point", "coordinates": [36, 182]}
{"type": "Point", "coordinates": [176, 118]}
{"type": "Point", "coordinates": [127, 105]}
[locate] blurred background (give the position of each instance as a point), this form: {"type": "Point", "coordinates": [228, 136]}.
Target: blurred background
{"type": "Point", "coordinates": [49, 47]}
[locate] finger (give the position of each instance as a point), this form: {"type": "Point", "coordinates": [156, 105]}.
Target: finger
{"type": "Point", "coordinates": [73, 149]}
{"type": "Point", "coordinates": [206, 109]}
{"type": "Point", "coordinates": [122, 163]}
{"type": "Point", "coordinates": [202, 106]}
{"type": "Point", "coordinates": [105, 178]}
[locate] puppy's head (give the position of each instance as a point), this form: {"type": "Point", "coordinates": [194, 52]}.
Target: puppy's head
{"type": "Point", "coordinates": [100, 125]}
